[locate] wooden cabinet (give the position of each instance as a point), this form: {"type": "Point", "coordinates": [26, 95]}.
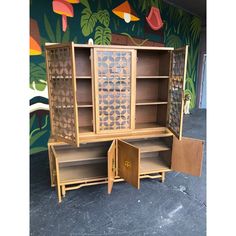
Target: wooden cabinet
{"type": "Point", "coordinates": [116, 114]}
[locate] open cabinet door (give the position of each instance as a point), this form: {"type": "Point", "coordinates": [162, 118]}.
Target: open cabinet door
{"type": "Point", "coordinates": [61, 80]}
{"type": "Point", "coordinates": [187, 155]}
{"type": "Point", "coordinates": [178, 68]}
{"type": "Point", "coordinates": [129, 163]}
{"type": "Point", "coordinates": [111, 155]}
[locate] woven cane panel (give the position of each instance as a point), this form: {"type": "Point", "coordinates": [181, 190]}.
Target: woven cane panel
{"type": "Point", "coordinates": [176, 90]}
{"type": "Point", "coordinates": [114, 89]}
{"type": "Point", "coordinates": [61, 92]}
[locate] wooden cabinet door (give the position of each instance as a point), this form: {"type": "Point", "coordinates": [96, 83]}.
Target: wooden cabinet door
{"type": "Point", "coordinates": [187, 156]}
{"type": "Point", "coordinates": [114, 71]}
{"type": "Point", "coordinates": [129, 163]}
{"type": "Point", "coordinates": [61, 80]}
{"type": "Point", "coordinates": [178, 69]}
{"type": "Point", "coordinates": [111, 159]}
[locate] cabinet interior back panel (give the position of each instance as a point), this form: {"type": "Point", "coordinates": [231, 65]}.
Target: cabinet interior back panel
{"type": "Point", "coordinates": [152, 89]}
{"type": "Point", "coordinates": [84, 91]}
{"type": "Point", "coordinates": [164, 63]}
{"type": "Point", "coordinates": [153, 63]}
{"type": "Point", "coordinates": [85, 116]}
{"type": "Point", "coordinates": [151, 114]}
{"type": "Point", "coordinates": [147, 62]}
{"type": "Point", "coordinates": [82, 62]}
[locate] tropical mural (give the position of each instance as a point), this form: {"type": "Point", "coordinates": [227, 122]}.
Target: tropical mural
{"type": "Point", "coordinates": [150, 22]}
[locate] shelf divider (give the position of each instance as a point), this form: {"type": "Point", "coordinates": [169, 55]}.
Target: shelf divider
{"type": "Point", "coordinates": [83, 77]}
{"type": "Point", "coordinates": [150, 102]}
{"type": "Point", "coordinates": [152, 76]}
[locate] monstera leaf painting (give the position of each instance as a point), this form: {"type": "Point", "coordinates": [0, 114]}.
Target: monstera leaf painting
{"type": "Point", "coordinates": [104, 17]}
{"type": "Point", "coordinates": [102, 36]}
{"type": "Point", "coordinates": [100, 20]}
{"type": "Point", "coordinates": [88, 21]}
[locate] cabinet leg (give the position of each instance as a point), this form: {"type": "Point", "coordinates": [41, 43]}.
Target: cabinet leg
{"type": "Point", "coordinates": [59, 193]}
{"type": "Point", "coordinates": [63, 190]}
{"type": "Point", "coordinates": [162, 177]}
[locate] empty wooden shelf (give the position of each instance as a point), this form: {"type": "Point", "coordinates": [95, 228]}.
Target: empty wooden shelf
{"type": "Point", "coordinates": [77, 173]}
{"type": "Point", "coordinates": [154, 164]}
{"type": "Point", "coordinates": [151, 145]}
{"type": "Point", "coordinates": [116, 114]}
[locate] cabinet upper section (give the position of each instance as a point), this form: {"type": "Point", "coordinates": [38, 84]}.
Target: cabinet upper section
{"type": "Point", "coordinates": [48, 45]}
{"type": "Point", "coordinates": [105, 92]}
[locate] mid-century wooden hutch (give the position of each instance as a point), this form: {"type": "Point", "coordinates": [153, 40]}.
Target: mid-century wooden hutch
{"type": "Point", "coordinates": [116, 114]}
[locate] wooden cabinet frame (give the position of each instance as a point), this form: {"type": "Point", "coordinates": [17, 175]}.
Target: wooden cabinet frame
{"type": "Point", "coordinates": [130, 156]}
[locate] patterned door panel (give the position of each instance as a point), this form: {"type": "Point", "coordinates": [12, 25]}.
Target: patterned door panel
{"type": "Point", "coordinates": [63, 109]}
{"type": "Point", "coordinates": [176, 90]}
{"type": "Point", "coordinates": [113, 89]}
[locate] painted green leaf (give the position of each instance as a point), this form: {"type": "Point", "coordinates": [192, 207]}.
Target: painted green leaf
{"type": "Point", "coordinates": [32, 119]}
{"type": "Point", "coordinates": [174, 41]}
{"type": "Point", "coordinates": [85, 3]}
{"type": "Point", "coordinates": [35, 150]}
{"type": "Point", "coordinates": [58, 32]}
{"type": "Point", "coordinates": [35, 137]}
{"type": "Point", "coordinates": [40, 86]}
{"type": "Point", "coordinates": [185, 26]}
{"type": "Point", "coordinates": [102, 36]}
{"type": "Point", "coordinates": [88, 21]}
{"type": "Point", "coordinates": [103, 17]}
{"type": "Point", "coordinates": [66, 35]}
{"type": "Point", "coordinates": [43, 41]}
{"type": "Point", "coordinates": [75, 39]}
{"type": "Point", "coordinates": [37, 76]}
{"type": "Point", "coordinates": [195, 28]}
{"type": "Point", "coordinates": [48, 29]}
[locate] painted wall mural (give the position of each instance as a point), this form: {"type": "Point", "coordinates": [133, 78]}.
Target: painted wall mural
{"type": "Point", "coordinates": [132, 22]}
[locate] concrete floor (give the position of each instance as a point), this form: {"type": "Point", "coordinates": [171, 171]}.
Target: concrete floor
{"type": "Point", "coordinates": [175, 207]}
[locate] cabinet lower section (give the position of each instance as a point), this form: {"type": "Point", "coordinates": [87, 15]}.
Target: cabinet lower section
{"type": "Point", "coordinates": [108, 162]}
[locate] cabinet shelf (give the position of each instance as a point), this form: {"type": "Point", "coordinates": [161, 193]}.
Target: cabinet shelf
{"type": "Point", "coordinates": [150, 102]}
{"type": "Point", "coordinates": [69, 154]}
{"type": "Point", "coordinates": [83, 172]}
{"type": "Point", "coordinates": [150, 145]}
{"type": "Point", "coordinates": [83, 77]}
{"type": "Point", "coordinates": [152, 76]}
{"type": "Point", "coordinates": [86, 129]}
{"type": "Point", "coordinates": [147, 125]}
{"type": "Point", "coordinates": [154, 164]}
{"type": "Point", "coordinates": [84, 104]}
{"type": "Point", "coordinates": [81, 105]}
